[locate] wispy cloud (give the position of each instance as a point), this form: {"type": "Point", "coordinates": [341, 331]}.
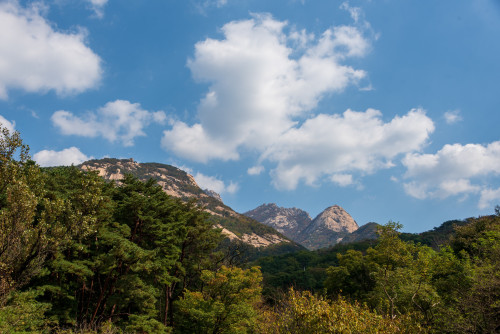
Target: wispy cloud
{"type": "Point", "coordinates": [255, 170]}
{"type": "Point", "coordinates": [37, 58]}
{"type": "Point", "coordinates": [452, 116]}
{"type": "Point", "coordinates": [98, 7]}
{"type": "Point", "coordinates": [116, 121]}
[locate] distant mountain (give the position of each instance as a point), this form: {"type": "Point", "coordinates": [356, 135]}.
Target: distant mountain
{"type": "Point", "coordinates": [288, 221]}
{"type": "Point", "coordinates": [327, 229]}
{"type": "Point", "coordinates": [178, 183]}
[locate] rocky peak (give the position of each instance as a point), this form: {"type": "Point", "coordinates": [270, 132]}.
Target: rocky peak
{"type": "Point", "coordinates": [328, 228]}
{"type": "Point", "coordinates": [335, 218]}
{"type": "Point", "coordinates": [289, 221]}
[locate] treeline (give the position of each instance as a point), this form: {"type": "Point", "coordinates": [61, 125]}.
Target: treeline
{"type": "Point", "coordinates": [80, 255]}
{"type": "Point", "coordinates": [454, 288]}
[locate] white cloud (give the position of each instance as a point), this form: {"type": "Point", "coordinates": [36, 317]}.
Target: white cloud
{"type": "Point", "coordinates": [452, 116]}
{"type": "Point", "coordinates": [489, 197]}
{"type": "Point", "coordinates": [213, 183]}
{"type": "Point", "coordinates": [36, 58]}
{"type": "Point", "coordinates": [328, 145]}
{"type": "Point", "coordinates": [342, 180]}
{"type": "Point", "coordinates": [98, 7]}
{"type": "Point", "coordinates": [454, 170]}
{"type": "Point", "coordinates": [204, 5]}
{"type": "Point", "coordinates": [263, 81]}
{"type": "Point", "coordinates": [117, 121]}
{"type": "Point", "coordinates": [259, 83]}
{"type": "Point", "coordinates": [6, 124]}
{"type": "Point", "coordinates": [255, 170]}
{"type": "Point", "coordinates": [355, 12]}
{"type": "Point", "coordinates": [66, 157]}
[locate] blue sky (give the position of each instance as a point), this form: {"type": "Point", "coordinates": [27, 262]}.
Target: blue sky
{"type": "Point", "coordinates": [387, 108]}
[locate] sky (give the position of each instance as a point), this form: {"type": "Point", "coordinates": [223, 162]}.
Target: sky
{"type": "Point", "coordinates": [388, 108]}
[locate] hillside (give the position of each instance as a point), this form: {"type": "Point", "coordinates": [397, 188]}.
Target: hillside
{"type": "Point", "coordinates": [180, 184]}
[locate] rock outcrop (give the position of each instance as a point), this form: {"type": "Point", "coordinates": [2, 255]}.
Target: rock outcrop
{"type": "Point", "coordinates": [289, 221]}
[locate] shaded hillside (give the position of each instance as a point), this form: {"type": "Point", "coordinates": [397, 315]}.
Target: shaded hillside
{"type": "Point", "coordinates": [438, 235]}
{"type": "Point", "coordinates": [365, 232]}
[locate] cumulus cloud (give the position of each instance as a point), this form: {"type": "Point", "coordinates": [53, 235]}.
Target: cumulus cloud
{"type": "Point", "coordinates": [452, 116]}
{"type": "Point", "coordinates": [6, 124]}
{"type": "Point", "coordinates": [66, 157]}
{"type": "Point", "coordinates": [119, 120]}
{"type": "Point", "coordinates": [215, 184]}
{"type": "Point", "coordinates": [98, 7]}
{"type": "Point", "coordinates": [334, 145]}
{"type": "Point", "coordinates": [454, 170]}
{"type": "Point", "coordinates": [260, 81]}
{"type": "Point", "coordinates": [36, 58]}
{"type": "Point", "coordinates": [264, 83]}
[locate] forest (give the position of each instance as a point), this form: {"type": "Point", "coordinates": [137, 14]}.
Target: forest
{"type": "Point", "coordinates": [81, 255]}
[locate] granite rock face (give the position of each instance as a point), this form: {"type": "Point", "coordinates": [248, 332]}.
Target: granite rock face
{"type": "Point", "coordinates": [288, 221]}
{"type": "Point", "coordinates": [328, 228]}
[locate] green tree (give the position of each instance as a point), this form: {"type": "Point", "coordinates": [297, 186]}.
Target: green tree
{"type": "Point", "coordinates": [25, 238]}
{"type": "Point", "coordinates": [304, 313]}
{"type": "Point", "coordinates": [226, 304]}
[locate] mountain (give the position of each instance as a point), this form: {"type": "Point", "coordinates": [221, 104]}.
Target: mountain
{"type": "Point", "coordinates": [180, 184]}
{"type": "Point", "coordinates": [288, 221]}
{"type": "Point", "coordinates": [327, 229]}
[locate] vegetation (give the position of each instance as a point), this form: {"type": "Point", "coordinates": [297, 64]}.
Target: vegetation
{"type": "Point", "coordinates": [79, 255]}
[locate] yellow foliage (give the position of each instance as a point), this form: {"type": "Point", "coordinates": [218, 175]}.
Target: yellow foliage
{"type": "Point", "coordinates": [303, 312]}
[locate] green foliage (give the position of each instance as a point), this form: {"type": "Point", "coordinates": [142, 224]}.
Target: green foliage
{"type": "Point", "coordinates": [226, 304]}
{"type": "Point", "coordinates": [436, 237]}
{"type": "Point", "coordinates": [25, 236]}
{"type": "Point", "coordinates": [304, 313]}
{"type": "Point", "coordinates": [22, 313]}
{"type": "Point", "coordinates": [304, 270]}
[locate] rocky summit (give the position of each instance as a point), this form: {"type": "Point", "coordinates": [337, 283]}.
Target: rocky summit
{"type": "Point", "coordinates": [289, 221]}
{"type": "Point", "coordinates": [327, 229]}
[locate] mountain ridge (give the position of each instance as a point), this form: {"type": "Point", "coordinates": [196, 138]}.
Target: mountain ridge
{"type": "Point", "coordinates": [180, 184]}
{"type": "Point", "coordinates": [328, 228]}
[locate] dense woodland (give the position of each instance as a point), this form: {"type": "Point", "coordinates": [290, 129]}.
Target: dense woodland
{"type": "Point", "coordinates": [81, 255]}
